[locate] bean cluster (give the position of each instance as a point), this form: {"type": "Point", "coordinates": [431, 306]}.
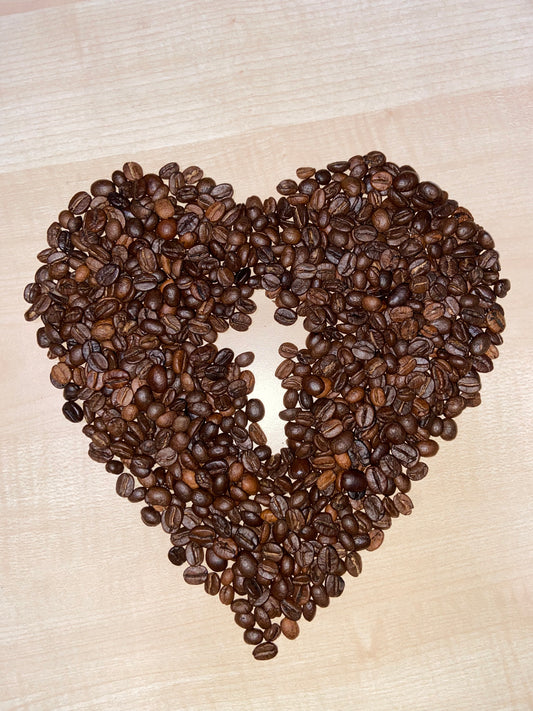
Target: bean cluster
{"type": "Point", "coordinates": [396, 286]}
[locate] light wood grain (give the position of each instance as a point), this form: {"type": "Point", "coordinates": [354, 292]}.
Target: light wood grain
{"type": "Point", "coordinates": [93, 615]}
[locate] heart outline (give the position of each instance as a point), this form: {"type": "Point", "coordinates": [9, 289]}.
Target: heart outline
{"type": "Point", "coordinates": [193, 248]}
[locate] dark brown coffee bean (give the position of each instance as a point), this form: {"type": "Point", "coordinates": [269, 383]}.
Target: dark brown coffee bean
{"type": "Point", "coordinates": [374, 508]}
{"type": "Point", "coordinates": [247, 565]}
{"type": "Point", "coordinates": [245, 359]}
{"type": "Point", "coordinates": [290, 628]}
{"type": "Point", "coordinates": [79, 203]}
{"type": "Point", "coordinates": [403, 503]}
{"type": "Point", "coordinates": [417, 471]}
{"type": "Point", "coordinates": [331, 429]}
{"type": "Point", "coordinates": [353, 480]}
{"type": "Point", "coordinates": [265, 650]}
{"type": "Point", "coordinates": [212, 584]}
{"type": "Point", "coordinates": [353, 564]}
{"type": "Point", "coordinates": [240, 321]}
{"type": "Point", "coordinates": [150, 516]}
{"type": "Point", "coordinates": [245, 620]}
{"type": "Point", "coordinates": [108, 274]}
{"type": "Point", "coordinates": [342, 443]}
{"type": "Point", "coordinates": [255, 410]}
{"type": "Point", "coordinates": [125, 485]}
{"type": "Point", "coordinates": [97, 362]}
{"type": "Point", "coordinates": [195, 574]}
{"type": "Point", "coordinates": [427, 447]}
{"type": "Point", "coordinates": [272, 632]}
{"type": "Point", "coordinates": [334, 585]}
{"type": "Point", "coordinates": [176, 555]}
{"type": "Point", "coordinates": [319, 595]}
{"type": "Point", "coordinates": [102, 187]}
{"type": "Point", "coordinates": [225, 548]}
{"type": "Point", "coordinates": [449, 429]}
{"type": "Point", "coordinates": [364, 416]}
{"type": "Point", "coordinates": [157, 378]}
{"type": "Point", "coordinates": [285, 316]}
{"type": "Point", "coordinates": [288, 350]}
{"type": "Point", "coordinates": [72, 411]}
{"type": "Point", "coordinates": [253, 636]}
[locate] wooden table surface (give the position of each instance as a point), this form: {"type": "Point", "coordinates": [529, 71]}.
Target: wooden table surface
{"type": "Point", "coordinates": [93, 615]}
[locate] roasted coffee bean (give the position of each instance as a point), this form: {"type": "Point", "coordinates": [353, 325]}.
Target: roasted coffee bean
{"type": "Point", "coordinates": [225, 548]}
{"type": "Point", "coordinates": [290, 628]}
{"type": "Point", "coordinates": [245, 620]}
{"type": "Point", "coordinates": [176, 555]}
{"type": "Point", "coordinates": [285, 316]}
{"type": "Point", "coordinates": [255, 410]}
{"type": "Point", "coordinates": [265, 650]}
{"type": "Point", "coordinates": [244, 359]}
{"type": "Point", "coordinates": [150, 516]}
{"type": "Point", "coordinates": [72, 411]}
{"type": "Point", "coordinates": [253, 636]}
{"type": "Point", "coordinates": [113, 466]}
{"type": "Point", "coordinates": [246, 564]}
{"type": "Point", "coordinates": [212, 584]}
{"type": "Point", "coordinates": [125, 485]}
{"type": "Point", "coordinates": [353, 480]}
{"type": "Point", "coordinates": [195, 574]}
{"type": "Point", "coordinates": [353, 563]}
{"type": "Point", "coordinates": [319, 595]}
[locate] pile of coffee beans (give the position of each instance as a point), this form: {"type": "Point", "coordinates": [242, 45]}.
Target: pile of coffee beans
{"type": "Point", "coordinates": [396, 286]}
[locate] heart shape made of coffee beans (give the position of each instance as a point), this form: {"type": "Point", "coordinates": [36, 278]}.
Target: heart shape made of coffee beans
{"type": "Point", "coordinates": [396, 285]}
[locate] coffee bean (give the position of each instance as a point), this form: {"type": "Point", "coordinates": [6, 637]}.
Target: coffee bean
{"type": "Point", "coordinates": [97, 362]}
{"type": "Point", "coordinates": [331, 429]}
{"type": "Point", "coordinates": [71, 391]}
{"type": "Point", "coordinates": [113, 466]}
{"type": "Point", "coordinates": [417, 471]}
{"type": "Point", "coordinates": [290, 628]}
{"type": "Point", "coordinates": [353, 563]}
{"type": "Point", "coordinates": [246, 564]}
{"type": "Point", "coordinates": [334, 585]}
{"type": "Point", "coordinates": [245, 620]}
{"type": "Point", "coordinates": [176, 555]}
{"type": "Point", "coordinates": [79, 203]}
{"type": "Point", "coordinates": [150, 516]}
{"type": "Point", "coordinates": [427, 448]}
{"type": "Point", "coordinates": [255, 410]}
{"type": "Point", "coordinates": [125, 485]}
{"type": "Point", "coordinates": [253, 636]}
{"type": "Point", "coordinates": [195, 574]}
{"type": "Point", "coordinates": [449, 429]}
{"type": "Point", "coordinates": [288, 350]}
{"type": "Point", "coordinates": [285, 316]}
{"type": "Point", "coordinates": [313, 385]}
{"type": "Point", "coordinates": [244, 359]}
{"type": "Point", "coordinates": [319, 595]}
{"type": "Point", "coordinates": [72, 411]}
{"type": "Point", "coordinates": [403, 503]}
{"type": "Point", "coordinates": [212, 584]}
{"type": "Point", "coordinates": [157, 378]}
{"type": "Point", "coordinates": [225, 548]}
{"type": "Point", "coordinates": [376, 539]}
{"type": "Point", "coordinates": [265, 650]}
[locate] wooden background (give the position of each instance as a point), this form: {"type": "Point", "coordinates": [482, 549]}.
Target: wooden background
{"type": "Point", "coordinates": [93, 615]}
